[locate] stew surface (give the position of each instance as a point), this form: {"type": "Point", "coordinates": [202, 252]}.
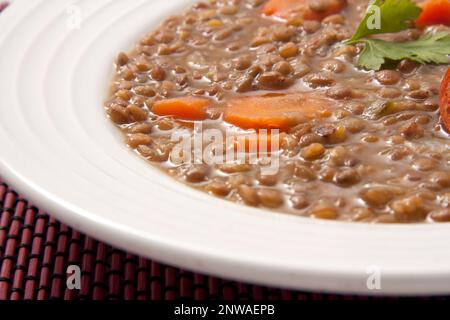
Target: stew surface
{"type": "Point", "coordinates": [354, 144]}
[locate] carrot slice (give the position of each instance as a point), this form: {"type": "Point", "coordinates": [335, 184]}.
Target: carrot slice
{"type": "Point", "coordinates": [186, 108]}
{"type": "Point", "coordinates": [308, 9]}
{"type": "Point", "coordinates": [275, 112]}
{"type": "Point", "coordinates": [434, 12]}
{"type": "Point", "coordinates": [445, 100]}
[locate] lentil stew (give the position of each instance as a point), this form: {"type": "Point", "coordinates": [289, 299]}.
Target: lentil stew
{"type": "Point", "coordinates": [354, 144]}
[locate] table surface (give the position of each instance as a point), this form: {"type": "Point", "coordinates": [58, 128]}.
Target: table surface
{"type": "Point", "coordinates": [36, 250]}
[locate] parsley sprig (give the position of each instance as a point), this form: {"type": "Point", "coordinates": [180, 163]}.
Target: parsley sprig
{"type": "Point", "coordinates": [395, 16]}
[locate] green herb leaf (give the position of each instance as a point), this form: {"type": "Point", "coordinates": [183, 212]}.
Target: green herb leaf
{"type": "Point", "coordinates": [386, 17]}
{"type": "Point", "coordinates": [430, 48]}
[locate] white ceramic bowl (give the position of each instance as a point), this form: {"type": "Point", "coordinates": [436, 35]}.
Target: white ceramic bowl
{"type": "Point", "coordinates": [58, 149]}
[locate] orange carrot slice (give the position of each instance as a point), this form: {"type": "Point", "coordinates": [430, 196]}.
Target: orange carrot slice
{"type": "Point", "coordinates": [275, 112]}
{"type": "Point", "coordinates": [445, 100]}
{"type": "Point", "coordinates": [434, 12]}
{"type": "Point", "coordinates": [185, 108]}
{"type": "Point", "coordinates": [308, 9]}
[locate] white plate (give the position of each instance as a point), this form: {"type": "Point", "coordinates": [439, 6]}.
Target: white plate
{"type": "Point", "coordinates": [58, 149]}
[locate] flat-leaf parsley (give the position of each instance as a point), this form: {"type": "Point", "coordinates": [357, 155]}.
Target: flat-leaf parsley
{"type": "Point", "coordinates": [398, 15]}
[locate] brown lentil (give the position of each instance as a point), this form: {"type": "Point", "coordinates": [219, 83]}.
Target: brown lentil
{"type": "Point", "coordinates": [270, 198]}
{"type": "Point", "coordinates": [248, 195]}
{"type": "Point", "coordinates": [325, 213]}
{"type": "Point", "coordinates": [197, 173]}
{"type": "Point", "coordinates": [288, 50]}
{"type": "Point", "coordinates": [299, 201]}
{"type": "Point", "coordinates": [388, 77]}
{"type": "Point", "coordinates": [136, 139]}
